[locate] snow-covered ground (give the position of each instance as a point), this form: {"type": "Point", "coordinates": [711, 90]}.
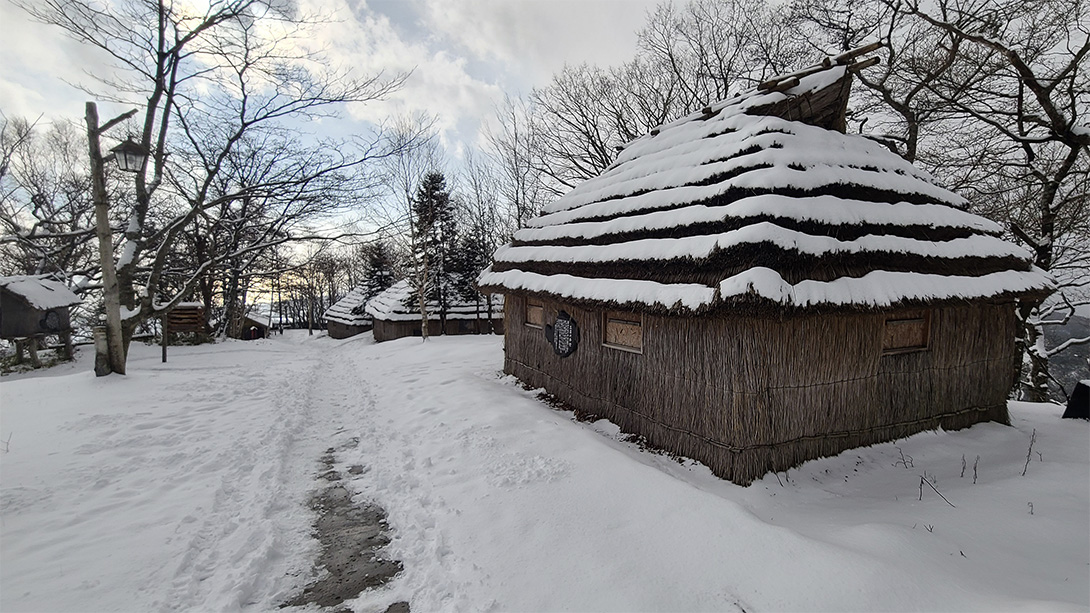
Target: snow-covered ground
{"type": "Point", "coordinates": [183, 487]}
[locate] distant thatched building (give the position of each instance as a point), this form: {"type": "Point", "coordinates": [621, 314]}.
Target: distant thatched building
{"type": "Point", "coordinates": [395, 314]}
{"type": "Point", "coordinates": [750, 287]}
{"type": "Point", "coordinates": [347, 317]}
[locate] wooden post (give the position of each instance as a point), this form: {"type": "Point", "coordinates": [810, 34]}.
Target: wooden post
{"type": "Point", "coordinates": [69, 350]}
{"type": "Point", "coordinates": [32, 349]}
{"type": "Point", "coordinates": [166, 334]}
{"type": "Point", "coordinates": [102, 354]}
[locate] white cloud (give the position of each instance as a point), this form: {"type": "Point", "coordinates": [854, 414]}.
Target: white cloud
{"type": "Point", "coordinates": [464, 55]}
{"type": "Point", "coordinates": [39, 65]}
{"type": "Point", "coordinates": [439, 84]}
{"type": "Point", "coordinates": [532, 39]}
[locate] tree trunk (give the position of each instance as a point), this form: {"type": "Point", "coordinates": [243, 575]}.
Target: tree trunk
{"type": "Point", "coordinates": [115, 342]}
{"type": "Point", "coordinates": [423, 296]}
{"type": "Point", "coordinates": [1033, 382]}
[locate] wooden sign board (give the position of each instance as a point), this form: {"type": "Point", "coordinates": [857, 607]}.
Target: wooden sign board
{"type": "Point", "coordinates": [186, 319]}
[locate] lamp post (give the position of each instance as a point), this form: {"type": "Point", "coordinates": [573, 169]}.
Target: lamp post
{"type": "Point", "coordinates": [109, 343]}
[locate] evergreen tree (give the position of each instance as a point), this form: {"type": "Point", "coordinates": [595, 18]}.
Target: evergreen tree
{"type": "Point", "coordinates": [474, 253]}
{"type": "Point", "coordinates": [379, 268]}
{"type": "Point", "coordinates": [436, 235]}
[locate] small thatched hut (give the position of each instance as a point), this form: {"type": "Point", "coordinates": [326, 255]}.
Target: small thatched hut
{"type": "Point", "coordinates": [32, 308]}
{"type": "Point", "coordinates": [347, 316]}
{"type": "Point", "coordinates": [395, 314]}
{"type": "Point", "coordinates": [750, 287]}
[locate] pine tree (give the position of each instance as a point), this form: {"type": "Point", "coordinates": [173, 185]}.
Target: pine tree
{"type": "Point", "coordinates": [379, 265]}
{"type": "Point", "coordinates": [474, 253]}
{"type": "Point", "coordinates": [436, 235]}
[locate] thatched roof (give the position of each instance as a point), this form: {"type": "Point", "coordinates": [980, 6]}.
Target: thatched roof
{"type": "Point", "coordinates": [40, 293]}
{"type": "Point", "coordinates": [760, 201]}
{"type": "Point", "coordinates": [399, 303]}
{"type": "Point", "coordinates": [350, 310]}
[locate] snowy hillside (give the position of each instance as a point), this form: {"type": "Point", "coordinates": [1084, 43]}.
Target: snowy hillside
{"type": "Point", "coordinates": [183, 486]}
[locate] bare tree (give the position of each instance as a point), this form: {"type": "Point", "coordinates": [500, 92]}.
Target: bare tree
{"type": "Point", "coordinates": [45, 202]}
{"type": "Point", "coordinates": [212, 81]}
{"type": "Point", "coordinates": [1028, 94]}
{"type": "Point", "coordinates": [515, 153]}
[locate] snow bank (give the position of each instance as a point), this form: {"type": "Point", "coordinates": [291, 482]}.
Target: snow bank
{"type": "Point", "coordinates": [499, 502]}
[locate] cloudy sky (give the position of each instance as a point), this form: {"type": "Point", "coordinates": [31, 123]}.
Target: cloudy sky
{"type": "Point", "coordinates": [464, 54]}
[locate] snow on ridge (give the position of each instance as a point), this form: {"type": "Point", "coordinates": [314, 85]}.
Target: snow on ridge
{"type": "Point", "coordinates": [781, 144]}
{"type": "Point", "coordinates": [40, 293]}
{"type": "Point", "coordinates": [702, 246]}
{"type": "Point", "coordinates": [732, 111]}
{"type": "Point", "coordinates": [389, 305]}
{"type": "Point", "coordinates": [881, 288]}
{"type": "Point", "coordinates": [825, 209]}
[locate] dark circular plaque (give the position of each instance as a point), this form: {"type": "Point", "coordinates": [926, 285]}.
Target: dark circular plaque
{"type": "Point", "coordinates": [563, 335]}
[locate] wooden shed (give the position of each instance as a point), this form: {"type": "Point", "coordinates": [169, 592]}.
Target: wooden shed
{"type": "Point", "coordinates": [254, 327]}
{"type": "Point", "coordinates": [750, 287]}
{"type": "Point", "coordinates": [34, 307]}
{"type": "Point", "coordinates": [395, 314]}
{"type": "Point", "coordinates": [347, 317]}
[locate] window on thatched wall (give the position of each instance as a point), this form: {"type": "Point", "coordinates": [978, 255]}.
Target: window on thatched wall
{"type": "Point", "coordinates": [623, 331]}
{"type": "Point", "coordinates": [535, 314]}
{"type": "Point", "coordinates": [907, 332]}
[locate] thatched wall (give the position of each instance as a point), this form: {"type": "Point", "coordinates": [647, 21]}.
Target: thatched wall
{"type": "Point", "coordinates": [386, 330]}
{"type": "Point", "coordinates": [749, 395]}
{"type": "Point", "coordinates": [337, 329]}
{"type": "Point", "coordinates": [18, 319]}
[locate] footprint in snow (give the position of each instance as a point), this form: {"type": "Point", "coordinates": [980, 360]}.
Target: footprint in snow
{"type": "Point", "coordinates": [512, 471]}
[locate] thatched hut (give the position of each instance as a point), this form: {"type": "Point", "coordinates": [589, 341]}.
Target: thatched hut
{"type": "Point", "coordinates": [347, 316]}
{"type": "Point", "coordinates": [751, 287]}
{"type": "Point", "coordinates": [32, 308]}
{"type": "Point", "coordinates": [395, 314]}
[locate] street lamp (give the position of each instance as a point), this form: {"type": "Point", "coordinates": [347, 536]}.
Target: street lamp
{"type": "Point", "coordinates": [130, 155]}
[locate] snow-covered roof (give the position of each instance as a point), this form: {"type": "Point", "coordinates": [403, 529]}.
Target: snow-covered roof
{"type": "Point", "coordinates": [350, 309]}
{"type": "Point", "coordinates": [760, 199]}
{"type": "Point", "coordinates": [399, 304]}
{"type": "Point", "coordinates": [40, 293]}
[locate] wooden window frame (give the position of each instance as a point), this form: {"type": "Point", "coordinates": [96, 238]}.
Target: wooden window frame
{"type": "Point", "coordinates": [531, 304]}
{"type": "Point", "coordinates": [627, 318]}
{"type": "Point", "coordinates": [907, 319]}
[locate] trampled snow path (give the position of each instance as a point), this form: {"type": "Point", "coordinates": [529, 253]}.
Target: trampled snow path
{"type": "Point", "coordinates": [181, 487]}
{"type": "Point", "coordinates": [184, 487]}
